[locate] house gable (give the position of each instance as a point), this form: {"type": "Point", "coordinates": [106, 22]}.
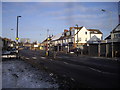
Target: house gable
{"type": "Point", "coordinates": [83, 35]}
{"type": "Point", "coordinates": [116, 29]}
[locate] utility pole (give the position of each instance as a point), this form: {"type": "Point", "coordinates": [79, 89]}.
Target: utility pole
{"type": "Point", "coordinates": [112, 34]}
{"type": "Point", "coordinates": [77, 39]}
{"type": "Point", "coordinates": [17, 38]}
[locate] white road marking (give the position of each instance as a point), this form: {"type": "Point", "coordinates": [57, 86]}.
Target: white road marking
{"type": "Point", "coordinates": [101, 71]}
{"type": "Point", "coordinates": [72, 79]}
{"type": "Point", "coordinates": [51, 74]}
{"type": "Point", "coordinates": [65, 63]}
{"type": "Point", "coordinates": [27, 58]}
{"type": "Point", "coordinates": [22, 57]}
{"type": "Point", "coordinates": [95, 69]}
{"type": "Point", "coordinates": [34, 58]}
{"type": "Point", "coordinates": [51, 59]}
{"type": "Point", "coordinates": [71, 52]}
{"type": "Point", "coordinates": [43, 57]}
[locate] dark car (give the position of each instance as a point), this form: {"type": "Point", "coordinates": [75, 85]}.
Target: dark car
{"type": "Point", "coordinates": [9, 54]}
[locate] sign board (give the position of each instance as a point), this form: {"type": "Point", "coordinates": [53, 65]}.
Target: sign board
{"type": "Point", "coordinates": [17, 38]}
{"type": "Point", "coordinates": [35, 45]}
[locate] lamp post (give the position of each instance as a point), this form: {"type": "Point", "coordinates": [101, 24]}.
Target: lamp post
{"type": "Point", "coordinates": [77, 39]}
{"type": "Point", "coordinates": [112, 35]}
{"type": "Point", "coordinates": [17, 38]}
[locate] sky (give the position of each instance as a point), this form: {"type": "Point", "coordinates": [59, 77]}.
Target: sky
{"type": "Point", "coordinates": [38, 17]}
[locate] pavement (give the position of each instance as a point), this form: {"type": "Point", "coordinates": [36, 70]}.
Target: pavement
{"type": "Point", "coordinates": [17, 73]}
{"type": "Point", "coordinates": [80, 72]}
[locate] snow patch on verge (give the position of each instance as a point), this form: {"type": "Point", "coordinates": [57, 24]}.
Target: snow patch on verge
{"type": "Point", "coordinates": [18, 74]}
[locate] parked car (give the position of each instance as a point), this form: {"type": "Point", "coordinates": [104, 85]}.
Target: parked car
{"type": "Point", "coordinates": [13, 51]}
{"type": "Point", "coordinates": [5, 52]}
{"type": "Point", "coordinates": [9, 54]}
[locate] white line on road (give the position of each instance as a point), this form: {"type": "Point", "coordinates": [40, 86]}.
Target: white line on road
{"type": "Point", "coordinates": [72, 79]}
{"type": "Point", "coordinates": [51, 59]}
{"type": "Point", "coordinates": [100, 71]}
{"type": "Point", "coordinates": [43, 57]}
{"type": "Point", "coordinates": [95, 69]}
{"type": "Point", "coordinates": [27, 58]}
{"type": "Point", "coordinates": [34, 58]}
{"type": "Point", "coordinates": [65, 63]}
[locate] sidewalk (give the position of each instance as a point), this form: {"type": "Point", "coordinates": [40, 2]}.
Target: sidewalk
{"type": "Point", "coordinates": [73, 54]}
{"type": "Point", "coordinates": [19, 74]}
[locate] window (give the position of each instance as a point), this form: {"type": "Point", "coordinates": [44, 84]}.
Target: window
{"type": "Point", "coordinates": [117, 35]}
{"type": "Point", "coordinates": [72, 39]}
{"type": "Point", "coordinates": [86, 33]}
{"type": "Point", "coordinates": [79, 39]}
{"type": "Point", "coordinates": [72, 33]}
{"type": "Point", "coordinates": [86, 39]}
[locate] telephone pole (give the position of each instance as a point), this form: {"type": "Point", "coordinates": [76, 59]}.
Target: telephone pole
{"type": "Point", "coordinates": [77, 39]}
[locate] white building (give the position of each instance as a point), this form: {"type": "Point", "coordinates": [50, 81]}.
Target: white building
{"type": "Point", "coordinates": [82, 35]}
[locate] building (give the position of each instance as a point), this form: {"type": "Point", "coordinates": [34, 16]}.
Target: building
{"type": "Point", "coordinates": [113, 42]}
{"type": "Point", "coordinates": [25, 40]}
{"type": "Point", "coordinates": [74, 37]}
{"type": "Point", "coordinates": [1, 44]}
{"type": "Point", "coordinates": [114, 35]}
{"type": "Point", "coordinates": [46, 44]}
{"type": "Point", "coordinates": [82, 35]}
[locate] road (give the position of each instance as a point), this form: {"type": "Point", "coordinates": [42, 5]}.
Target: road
{"type": "Point", "coordinates": [81, 71]}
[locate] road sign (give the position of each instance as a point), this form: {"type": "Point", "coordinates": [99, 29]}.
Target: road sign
{"type": "Point", "coordinates": [17, 38]}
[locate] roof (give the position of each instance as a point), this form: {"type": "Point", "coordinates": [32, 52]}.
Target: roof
{"type": "Point", "coordinates": [47, 39]}
{"type": "Point", "coordinates": [65, 30]}
{"type": "Point", "coordinates": [116, 29]}
{"type": "Point", "coordinates": [7, 39]}
{"type": "Point", "coordinates": [95, 31]}
{"type": "Point", "coordinates": [108, 37]}
{"type": "Point", "coordinates": [56, 37]}
{"type": "Point", "coordinates": [79, 28]}
{"type": "Point", "coordinates": [94, 39]}
{"type": "Point", "coordinates": [62, 37]}
{"type": "Point", "coordinates": [44, 40]}
{"type": "Point", "coordinates": [76, 28]}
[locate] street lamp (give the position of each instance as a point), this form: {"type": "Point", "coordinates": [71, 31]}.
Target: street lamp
{"type": "Point", "coordinates": [17, 38]}
{"type": "Point", "coordinates": [112, 31]}
{"type": "Point", "coordinates": [77, 39]}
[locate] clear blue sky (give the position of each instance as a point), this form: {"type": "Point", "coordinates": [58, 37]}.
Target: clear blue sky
{"type": "Point", "coordinates": [37, 17]}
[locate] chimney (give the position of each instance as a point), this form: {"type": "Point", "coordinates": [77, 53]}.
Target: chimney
{"type": "Point", "coordinates": [65, 30]}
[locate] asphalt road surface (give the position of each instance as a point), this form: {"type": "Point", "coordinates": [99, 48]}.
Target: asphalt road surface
{"type": "Point", "coordinates": [77, 72]}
